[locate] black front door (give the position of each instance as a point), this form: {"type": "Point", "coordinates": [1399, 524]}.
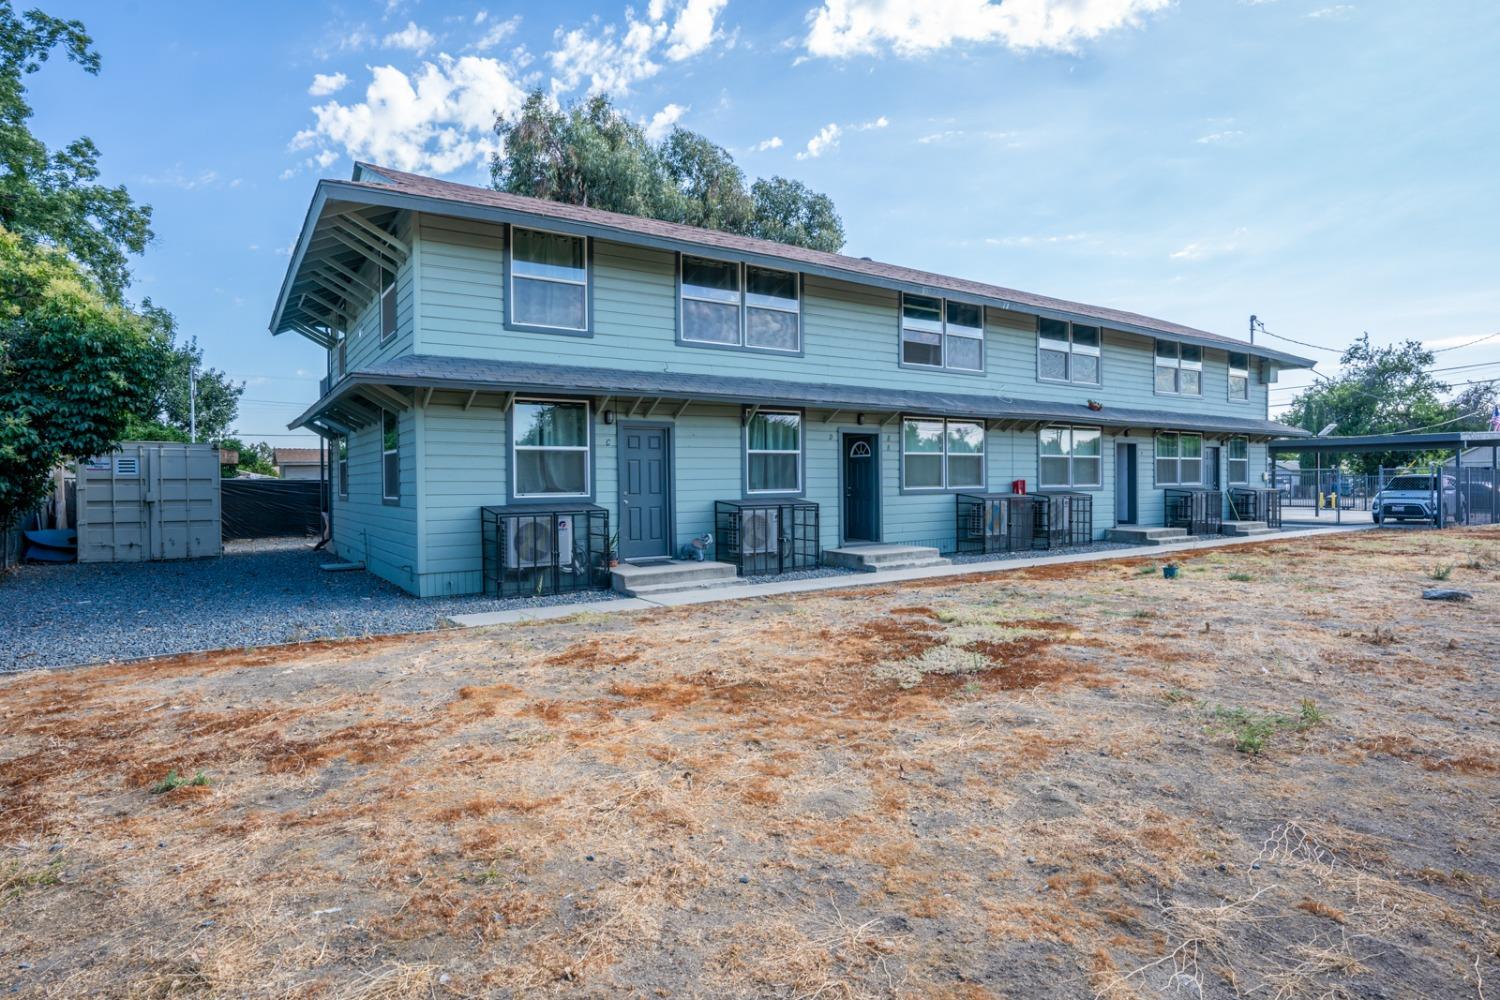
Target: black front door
{"type": "Point", "coordinates": [1211, 466]}
{"type": "Point", "coordinates": [1124, 483]}
{"type": "Point", "coordinates": [645, 491]}
{"type": "Point", "coordinates": [861, 487]}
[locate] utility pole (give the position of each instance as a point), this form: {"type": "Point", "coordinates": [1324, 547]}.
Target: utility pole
{"type": "Point", "coordinates": [193, 402]}
{"type": "Point", "coordinates": [1252, 328]}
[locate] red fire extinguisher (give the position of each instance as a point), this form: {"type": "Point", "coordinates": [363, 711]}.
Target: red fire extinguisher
{"type": "Point", "coordinates": [1018, 486]}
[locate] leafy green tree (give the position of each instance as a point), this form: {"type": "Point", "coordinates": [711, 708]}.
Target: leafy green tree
{"type": "Point", "coordinates": [1379, 390]}
{"type": "Point", "coordinates": [218, 394]}
{"type": "Point", "coordinates": [54, 198]}
{"type": "Point", "coordinates": [1472, 407]}
{"type": "Point", "coordinates": [73, 367]}
{"type": "Point", "coordinates": [258, 457]}
{"type": "Point", "coordinates": [591, 154]}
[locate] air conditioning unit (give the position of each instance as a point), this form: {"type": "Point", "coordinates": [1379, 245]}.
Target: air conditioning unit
{"type": "Point", "coordinates": [533, 541]}
{"type": "Point", "coordinates": [758, 530]}
{"type": "Point", "coordinates": [996, 518]}
{"type": "Point", "coordinates": [1061, 514]}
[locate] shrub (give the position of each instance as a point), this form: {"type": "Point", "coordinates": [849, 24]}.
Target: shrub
{"type": "Point", "coordinates": [174, 780]}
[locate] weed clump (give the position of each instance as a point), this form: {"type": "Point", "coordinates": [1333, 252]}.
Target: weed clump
{"type": "Point", "coordinates": [1251, 733]}
{"type": "Point", "coordinates": [1441, 571]}
{"type": "Point", "coordinates": [173, 781]}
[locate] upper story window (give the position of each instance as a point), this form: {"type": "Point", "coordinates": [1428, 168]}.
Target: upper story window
{"type": "Point", "coordinates": [387, 304]}
{"type": "Point", "coordinates": [1179, 459]}
{"type": "Point", "coordinates": [1179, 368]}
{"type": "Point", "coordinates": [740, 305]}
{"type": "Point", "coordinates": [390, 456]}
{"type": "Point", "coordinates": [341, 458]}
{"type": "Point", "coordinates": [549, 280]}
{"type": "Point", "coordinates": [1238, 463]}
{"type": "Point", "coordinates": [1239, 375]}
{"type": "Point", "coordinates": [1069, 456]}
{"type": "Point", "coordinates": [341, 356]}
{"type": "Point", "coordinates": [936, 333]}
{"type": "Point", "coordinates": [773, 453]}
{"type": "Point", "coordinates": [942, 454]}
{"type": "Point", "coordinates": [550, 448]}
{"type": "Point", "coordinates": [1067, 352]}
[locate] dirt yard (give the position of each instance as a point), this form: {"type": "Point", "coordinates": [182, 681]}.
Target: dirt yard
{"type": "Point", "coordinates": [1276, 776]}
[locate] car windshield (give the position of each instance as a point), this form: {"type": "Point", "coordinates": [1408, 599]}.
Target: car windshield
{"type": "Point", "coordinates": [1410, 483]}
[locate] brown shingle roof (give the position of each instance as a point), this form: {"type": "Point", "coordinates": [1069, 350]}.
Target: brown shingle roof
{"type": "Point", "coordinates": [378, 178]}
{"type": "Point", "coordinates": [297, 456]}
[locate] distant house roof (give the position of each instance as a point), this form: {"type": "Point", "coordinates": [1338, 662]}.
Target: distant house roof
{"type": "Point", "coordinates": [383, 186]}
{"type": "Point", "coordinates": [465, 374]}
{"type": "Point", "coordinates": [297, 456]}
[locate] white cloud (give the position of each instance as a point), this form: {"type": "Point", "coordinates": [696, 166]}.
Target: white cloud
{"type": "Point", "coordinates": [1337, 12]}
{"type": "Point", "coordinates": [412, 37]}
{"type": "Point", "coordinates": [324, 84]}
{"type": "Point", "coordinates": [178, 178]}
{"type": "Point", "coordinates": [438, 119]}
{"type": "Point", "coordinates": [612, 62]}
{"type": "Point", "coordinates": [661, 123]}
{"type": "Point", "coordinates": [1204, 249]}
{"type": "Point", "coordinates": [496, 33]}
{"type": "Point", "coordinates": [1227, 135]}
{"type": "Point", "coordinates": [772, 143]}
{"type": "Point", "coordinates": [826, 139]}
{"type": "Point", "coordinates": [843, 28]}
{"type": "Point", "coordinates": [1035, 240]}
{"type": "Point", "coordinates": [694, 29]}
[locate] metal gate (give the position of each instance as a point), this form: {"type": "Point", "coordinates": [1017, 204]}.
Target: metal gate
{"type": "Point", "coordinates": [147, 501]}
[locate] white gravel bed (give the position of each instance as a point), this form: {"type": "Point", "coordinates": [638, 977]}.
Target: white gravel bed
{"type": "Point", "coordinates": [801, 574]}
{"type": "Point", "coordinates": [259, 593]}
{"type": "Point", "coordinates": [959, 559]}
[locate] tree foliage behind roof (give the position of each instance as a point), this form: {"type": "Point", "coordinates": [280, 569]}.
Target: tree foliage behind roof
{"type": "Point", "coordinates": [591, 154]}
{"type": "Point", "coordinates": [54, 197]}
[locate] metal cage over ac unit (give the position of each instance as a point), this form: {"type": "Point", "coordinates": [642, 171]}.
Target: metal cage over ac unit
{"type": "Point", "coordinates": [1017, 522]}
{"type": "Point", "coordinates": [1201, 512]}
{"type": "Point", "coordinates": [530, 551]}
{"type": "Point", "coordinates": [762, 537]}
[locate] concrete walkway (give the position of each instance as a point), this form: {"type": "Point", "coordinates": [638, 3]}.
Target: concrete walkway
{"type": "Point", "coordinates": [1160, 552]}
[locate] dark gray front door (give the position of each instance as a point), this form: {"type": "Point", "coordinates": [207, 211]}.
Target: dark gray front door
{"type": "Point", "coordinates": [645, 491]}
{"type": "Point", "coordinates": [861, 487]}
{"type": "Point", "coordinates": [1124, 483]}
{"type": "Point", "coordinates": [1211, 467]}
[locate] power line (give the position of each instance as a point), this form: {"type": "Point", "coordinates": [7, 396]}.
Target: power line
{"type": "Point", "coordinates": [1459, 347]}
{"type": "Point", "coordinates": [1444, 423]}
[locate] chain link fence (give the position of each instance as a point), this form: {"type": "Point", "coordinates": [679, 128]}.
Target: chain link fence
{"type": "Point", "coordinates": [1444, 496]}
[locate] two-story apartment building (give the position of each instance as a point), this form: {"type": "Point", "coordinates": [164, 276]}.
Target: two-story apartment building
{"type": "Point", "coordinates": [489, 349]}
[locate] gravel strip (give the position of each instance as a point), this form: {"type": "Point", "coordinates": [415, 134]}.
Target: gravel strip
{"type": "Point", "coordinates": [801, 574]}
{"type": "Point", "coordinates": [261, 592]}
{"type": "Point", "coordinates": [975, 557]}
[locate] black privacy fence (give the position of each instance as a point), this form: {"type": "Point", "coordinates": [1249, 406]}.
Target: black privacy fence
{"type": "Point", "coordinates": [537, 551]}
{"type": "Point", "coordinates": [1015, 522]}
{"type": "Point", "coordinates": [765, 537]}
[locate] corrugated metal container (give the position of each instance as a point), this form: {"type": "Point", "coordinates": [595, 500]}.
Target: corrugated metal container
{"type": "Point", "coordinates": [149, 500]}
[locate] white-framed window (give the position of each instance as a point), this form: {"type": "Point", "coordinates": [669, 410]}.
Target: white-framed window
{"type": "Point", "coordinates": [549, 448]}
{"type": "Point", "coordinates": [549, 280]}
{"type": "Point", "coordinates": [1070, 457]}
{"type": "Point", "coordinates": [387, 304]}
{"type": "Point", "coordinates": [941, 333]}
{"type": "Point", "coordinates": [939, 454]}
{"type": "Point", "coordinates": [740, 305]}
{"type": "Point", "coordinates": [1239, 375]}
{"type": "Point", "coordinates": [1238, 462]}
{"type": "Point", "coordinates": [1067, 352]}
{"type": "Point", "coordinates": [341, 460]}
{"type": "Point", "coordinates": [1179, 368]}
{"type": "Point", "coordinates": [773, 453]}
{"type": "Point", "coordinates": [390, 456]}
{"type": "Point", "coordinates": [1179, 459]}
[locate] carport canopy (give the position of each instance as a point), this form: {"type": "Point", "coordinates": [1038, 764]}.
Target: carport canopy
{"type": "Point", "coordinates": [1455, 441]}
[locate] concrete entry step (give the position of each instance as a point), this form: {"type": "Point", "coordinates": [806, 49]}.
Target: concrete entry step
{"type": "Point", "coordinates": [875, 558]}
{"type": "Point", "coordinates": [670, 577]}
{"type": "Point", "coordinates": [1241, 528]}
{"type": "Point", "coordinates": [1135, 535]}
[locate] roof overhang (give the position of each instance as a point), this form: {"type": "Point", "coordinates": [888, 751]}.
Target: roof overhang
{"type": "Point", "coordinates": [1368, 443]}
{"type": "Point", "coordinates": [412, 379]}
{"type": "Point", "coordinates": [359, 193]}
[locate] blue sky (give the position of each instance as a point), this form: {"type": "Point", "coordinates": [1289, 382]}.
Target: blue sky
{"type": "Point", "coordinates": [1328, 166]}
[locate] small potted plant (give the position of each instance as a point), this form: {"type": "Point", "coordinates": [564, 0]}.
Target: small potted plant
{"type": "Point", "coordinates": [1170, 571]}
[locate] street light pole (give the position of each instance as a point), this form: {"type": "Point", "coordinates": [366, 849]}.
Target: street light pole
{"type": "Point", "coordinates": [193, 402]}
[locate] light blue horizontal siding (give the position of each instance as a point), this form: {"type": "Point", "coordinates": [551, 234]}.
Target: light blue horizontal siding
{"type": "Point", "coordinates": [367, 529]}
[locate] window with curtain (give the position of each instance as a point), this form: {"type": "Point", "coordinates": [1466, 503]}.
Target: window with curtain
{"type": "Point", "coordinates": [734, 305]}
{"type": "Point", "coordinates": [550, 448]}
{"type": "Point", "coordinates": [549, 280]}
{"type": "Point", "coordinates": [342, 458]}
{"type": "Point", "coordinates": [390, 456]}
{"type": "Point", "coordinates": [773, 453]}
{"type": "Point", "coordinates": [938, 333]}
{"type": "Point", "coordinates": [387, 304]}
{"type": "Point", "coordinates": [1179, 368]}
{"type": "Point", "coordinates": [1069, 457]}
{"type": "Point", "coordinates": [1067, 352]}
{"type": "Point", "coordinates": [1239, 375]}
{"type": "Point", "coordinates": [1179, 459]}
{"type": "Point", "coordinates": [1238, 463]}
{"type": "Point", "coordinates": [939, 454]}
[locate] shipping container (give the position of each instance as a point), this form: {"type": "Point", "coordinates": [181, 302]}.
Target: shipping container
{"type": "Point", "coordinates": [149, 500]}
